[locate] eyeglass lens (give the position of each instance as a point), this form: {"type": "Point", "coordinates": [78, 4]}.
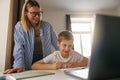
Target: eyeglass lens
{"type": "Point", "coordinates": [36, 13]}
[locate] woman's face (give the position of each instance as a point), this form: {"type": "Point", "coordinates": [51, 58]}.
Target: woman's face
{"type": "Point", "coordinates": [34, 13]}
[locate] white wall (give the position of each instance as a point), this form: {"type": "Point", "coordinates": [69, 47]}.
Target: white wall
{"type": "Point", "coordinates": [57, 17]}
{"type": "Point", "coordinates": [4, 16]}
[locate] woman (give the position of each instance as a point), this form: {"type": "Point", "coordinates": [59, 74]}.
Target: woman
{"type": "Point", "coordinates": [33, 38]}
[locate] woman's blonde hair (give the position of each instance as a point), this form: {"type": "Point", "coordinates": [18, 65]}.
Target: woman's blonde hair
{"type": "Point", "coordinates": [24, 19]}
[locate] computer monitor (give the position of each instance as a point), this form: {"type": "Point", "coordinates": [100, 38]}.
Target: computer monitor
{"type": "Point", "coordinates": [105, 55]}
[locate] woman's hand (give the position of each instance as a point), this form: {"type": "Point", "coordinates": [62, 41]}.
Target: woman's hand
{"type": "Point", "coordinates": [13, 70]}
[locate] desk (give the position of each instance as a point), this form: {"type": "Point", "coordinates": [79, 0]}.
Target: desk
{"type": "Point", "coordinates": [59, 75]}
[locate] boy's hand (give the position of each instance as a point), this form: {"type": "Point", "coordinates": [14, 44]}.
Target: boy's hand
{"type": "Point", "coordinates": [14, 70]}
{"type": "Point", "coordinates": [57, 65]}
{"type": "Point", "coordinates": [70, 65]}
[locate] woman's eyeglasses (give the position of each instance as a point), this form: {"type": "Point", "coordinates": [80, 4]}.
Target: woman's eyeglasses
{"type": "Point", "coordinates": [33, 14]}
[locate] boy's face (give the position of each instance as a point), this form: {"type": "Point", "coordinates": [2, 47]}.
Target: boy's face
{"type": "Point", "coordinates": [65, 47]}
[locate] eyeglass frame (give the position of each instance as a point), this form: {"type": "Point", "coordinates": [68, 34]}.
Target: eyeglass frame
{"type": "Point", "coordinates": [33, 14]}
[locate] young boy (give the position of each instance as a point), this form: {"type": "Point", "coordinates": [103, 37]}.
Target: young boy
{"type": "Point", "coordinates": [65, 58]}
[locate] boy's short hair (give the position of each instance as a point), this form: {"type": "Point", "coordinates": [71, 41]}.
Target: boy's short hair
{"type": "Point", "coordinates": [65, 35]}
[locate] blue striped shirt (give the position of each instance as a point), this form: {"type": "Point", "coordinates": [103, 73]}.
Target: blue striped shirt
{"type": "Point", "coordinates": [24, 44]}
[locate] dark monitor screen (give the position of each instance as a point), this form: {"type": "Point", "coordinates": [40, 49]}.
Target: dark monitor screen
{"type": "Point", "coordinates": [105, 55]}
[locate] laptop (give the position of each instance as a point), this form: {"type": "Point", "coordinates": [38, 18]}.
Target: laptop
{"type": "Point", "coordinates": [105, 54]}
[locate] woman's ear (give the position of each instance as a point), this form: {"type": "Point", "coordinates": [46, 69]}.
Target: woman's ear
{"type": "Point", "coordinates": [26, 13]}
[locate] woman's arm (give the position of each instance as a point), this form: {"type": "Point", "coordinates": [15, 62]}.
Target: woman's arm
{"type": "Point", "coordinates": [19, 50]}
{"type": "Point", "coordinates": [54, 38]}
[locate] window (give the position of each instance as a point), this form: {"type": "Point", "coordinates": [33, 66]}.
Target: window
{"type": "Point", "coordinates": [82, 32]}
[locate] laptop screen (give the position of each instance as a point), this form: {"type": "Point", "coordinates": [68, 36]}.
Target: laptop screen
{"type": "Point", "coordinates": [105, 57]}
{"type": "Point", "coordinates": [105, 54]}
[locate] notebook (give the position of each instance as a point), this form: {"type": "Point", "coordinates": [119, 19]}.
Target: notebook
{"type": "Point", "coordinates": [28, 74]}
